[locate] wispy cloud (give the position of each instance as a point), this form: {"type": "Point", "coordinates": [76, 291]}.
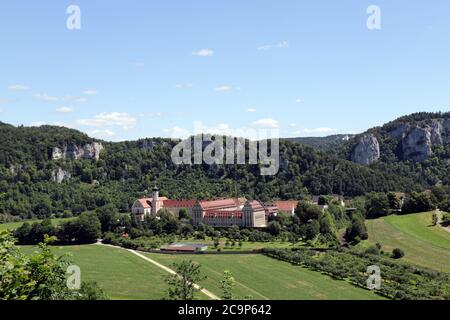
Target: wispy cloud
{"type": "Point", "coordinates": [19, 87]}
{"type": "Point", "coordinates": [320, 130]}
{"type": "Point", "coordinates": [251, 110]}
{"type": "Point", "coordinates": [80, 100]}
{"type": "Point", "coordinates": [177, 132]}
{"type": "Point", "coordinates": [184, 85]}
{"type": "Point", "coordinates": [102, 133]}
{"type": "Point", "coordinates": [64, 110]}
{"type": "Point", "coordinates": [90, 92]}
{"type": "Point", "coordinates": [203, 53]}
{"type": "Point", "coordinates": [279, 45]}
{"type": "Point", "coordinates": [266, 123]}
{"type": "Point", "coordinates": [45, 97]}
{"type": "Point", "coordinates": [121, 119]}
{"type": "Point", "coordinates": [226, 88]}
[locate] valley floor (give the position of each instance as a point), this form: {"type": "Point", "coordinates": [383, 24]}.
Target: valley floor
{"type": "Point", "coordinates": [123, 275]}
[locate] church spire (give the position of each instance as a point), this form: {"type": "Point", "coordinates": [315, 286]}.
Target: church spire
{"type": "Point", "coordinates": [155, 188]}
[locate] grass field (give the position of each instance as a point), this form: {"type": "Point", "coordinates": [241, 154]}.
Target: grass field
{"type": "Point", "coordinates": [121, 274]}
{"type": "Point", "coordinates": [14, 225]}
{"type": "Point", "coordinates": [267, 279]}
{"type": "Point", "coordinates": [125, 276]}
{"type": "Point", "coordinates": [423, 244]}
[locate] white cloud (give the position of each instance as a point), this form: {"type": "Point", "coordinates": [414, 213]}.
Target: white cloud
{"type": "Point", "coordinates": [279, 45]}
{"type": "Point", "coordinates": [90, 92]}
{"type": "Point", "coordinates": [19, 87]}
{"type": "Point", "coordinates": [293, 125]}
{"type": "Point", "coordinates": [220, 129]}
{"type": "Point", "coordinates": [55, 123]}
{"type": "Point", "coordinates": [184, 85]}
{"type": "Point", "coordinates": [120, 119]}
{"type": "Point", "coordinates": [45, 97]}
{"type": "Point", "coordinates": [320, 130]}
{"type": "Point", "coordinates": [266, 123]}
{"type": "Point", "coordinates": [299, 100]}
{"type": "Point", "coordinates": [102, 133]}
{"type": "Point", "coordinates": [64, 110]}
{"type": "Point", "coordinates": [251, 110]}
{"type": "Point", "coordinates": [74, 98]}
{"type": "Point", "coordinates": [257, 131]}
{"type": "Point", "coordinates": [226, 88]}
{"type": "Point", "coordinates": [203, 53]}
{"type": "Point", "coordinates": [177, 132]}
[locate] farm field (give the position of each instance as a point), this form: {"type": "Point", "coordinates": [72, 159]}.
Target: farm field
{"type": "Point", "coordinates": [120, 273]}
{"type": "Point", "coordinates": [267, 279]}
{"type": "Point", "coordinates": [15, 225]}
{"type": "Point", "coordinates": [423, 244]}
{"type": "Point", "coordinates": [125, 276]}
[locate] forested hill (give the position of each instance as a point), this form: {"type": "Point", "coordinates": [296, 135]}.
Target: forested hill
{"type": "Point", "coordinates": [417, 138]}
{"type": "Point", "coordinates": [51, 170]}
{"type": "Point", "coordinates": [420, 141]}
{"type": "Point", "coordinates": [323, 143]}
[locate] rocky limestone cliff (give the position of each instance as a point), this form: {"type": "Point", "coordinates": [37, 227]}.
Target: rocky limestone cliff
{"type": "Point", "coordinates": [367, 151]}
{"type": "Point", "coordinates": [59, 175]}
{"type": "Point", "coordinates": [416, 145]}
{"type": "Point", "coordinates": [417, 140]}
{"type": "Point", "coordinates": [74, 152]}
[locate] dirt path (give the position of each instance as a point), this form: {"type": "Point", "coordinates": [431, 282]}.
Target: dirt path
{"type": "Point", "coordinates": [196, 286]}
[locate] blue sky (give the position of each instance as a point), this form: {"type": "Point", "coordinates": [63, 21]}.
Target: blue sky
{"type": "Point", "coordinates": [151, 68]}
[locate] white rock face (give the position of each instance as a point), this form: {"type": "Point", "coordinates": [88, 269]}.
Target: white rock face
{"type": "Point", "coordinates": [367, 151]}
{"type": "Point", "coordinates": [59, 175]}
{"type": "Point", "coordinates": [436, 130]}
{"type": "Point", "coordinates": [417, 141]}
{"type": "Point", "coordinates": [416, 145]}
{"type": "Point", "coordinates": [147, 144]}
{"type": "Point", "coordinates": [399, 130]}
{"type": "Point", "coordinates": [74, 152]}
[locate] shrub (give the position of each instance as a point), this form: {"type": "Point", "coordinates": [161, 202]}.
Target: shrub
{"type": "Point", "coordinates": [373, 250]}
{"type": "Point", "coordinates": [398, 253]}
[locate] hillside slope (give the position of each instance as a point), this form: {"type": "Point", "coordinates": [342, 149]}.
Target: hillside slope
{"type": "Point", "coordinates": [423, 244]}
{"type": "Point", "coordinates": [48, 169]}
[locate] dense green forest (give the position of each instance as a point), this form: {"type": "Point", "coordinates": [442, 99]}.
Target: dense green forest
{"type": "Point", "coordinates": [125, 170]}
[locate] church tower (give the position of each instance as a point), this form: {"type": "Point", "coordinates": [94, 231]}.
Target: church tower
{"type": "Point", "coordinates": [155, 200]}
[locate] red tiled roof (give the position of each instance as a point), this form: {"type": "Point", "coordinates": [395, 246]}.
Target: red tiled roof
{"type": "Point", "coordinates": [147, 202]}
{"type": "Point", "coordinates": [287, 206]}
{"type": "Point", "coordinates": [222, 203]}
{"type": "Point", "coordinates": [256, 205]}
{"type": "Point", "coordinates": [179, 203]}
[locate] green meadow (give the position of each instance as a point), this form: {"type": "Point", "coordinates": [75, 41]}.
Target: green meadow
{"type": "Point", "coordinates": [124, 275]}
{"type": "Point", "coordinates": [15, 225]}
{"type": "Point", "coordinates": [265, 278]}
{"type": "Point", "coordinates": [424, 245]}
{"type": "Point", "coordinates": [120, 273]}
